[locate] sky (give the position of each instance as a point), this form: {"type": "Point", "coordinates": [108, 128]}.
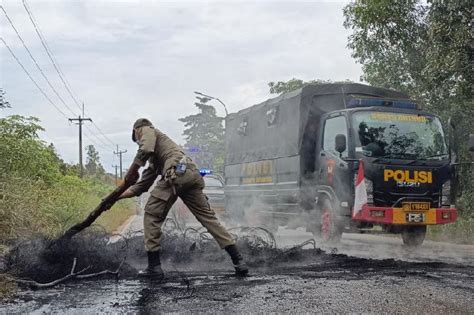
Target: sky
{"type": "Point", "coordinates": [130, 59]}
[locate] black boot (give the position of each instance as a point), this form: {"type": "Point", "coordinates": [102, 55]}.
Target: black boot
{"type": "Point", "coordinates": [154, 266]}
{"type": "Point", "coordinates": [240, 266]}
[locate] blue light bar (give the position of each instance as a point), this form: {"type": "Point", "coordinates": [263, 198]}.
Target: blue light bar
{"type": "Point", "coordinates": [205, 171]}
{"type": "Point", "coordinates": [368, 102]}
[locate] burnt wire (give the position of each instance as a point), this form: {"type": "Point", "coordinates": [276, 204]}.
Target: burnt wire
{"type": "Point", "coordinates": [94, 247]}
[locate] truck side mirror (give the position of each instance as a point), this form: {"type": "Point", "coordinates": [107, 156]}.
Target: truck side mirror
{"type": "Point", "coordinates": [340, 143]}
{"type": "Point", "coordinates": [471, 142]}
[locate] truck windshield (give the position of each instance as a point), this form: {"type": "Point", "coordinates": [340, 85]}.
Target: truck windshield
{"type": "Point", "coordinates": [399, 135]}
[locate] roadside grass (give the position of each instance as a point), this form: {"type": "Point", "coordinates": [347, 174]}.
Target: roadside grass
{"type": "Point", "coordinates": [32, 207]}
{"type": "Point", "coordinates": [461, 232]}
{"type": "Point", "coordinates": [117, 215]}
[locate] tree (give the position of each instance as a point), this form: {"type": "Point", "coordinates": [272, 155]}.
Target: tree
{"type": "Point", "coordinates": [93, 166]}
{"type": "Point", "coordinates": [281, 87]}
{"type": "Point", "coordinates": [3, 102]}
{"type": "Point", "coordinates": [23, 154]}
{"type": "Point", "coordinates": [204, 135]}
{"type": "Point", "coordinates": [422, 49]}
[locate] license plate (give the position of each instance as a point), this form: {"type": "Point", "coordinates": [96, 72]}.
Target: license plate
{"type": "Point", "coordinates": [415, 217]}
{"type": "Point", "coordinates": [416, 206]}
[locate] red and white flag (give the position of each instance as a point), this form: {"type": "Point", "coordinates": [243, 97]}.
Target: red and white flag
{"type": "Point", "coordinates": [360, 190]}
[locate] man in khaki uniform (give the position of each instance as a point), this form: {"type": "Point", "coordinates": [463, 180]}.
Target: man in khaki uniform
{"type": "Point", "coordinates": [164, 156]}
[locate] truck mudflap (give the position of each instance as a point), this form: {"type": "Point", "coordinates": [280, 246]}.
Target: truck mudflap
{"type": "Point", "coordinates": [400, 216]}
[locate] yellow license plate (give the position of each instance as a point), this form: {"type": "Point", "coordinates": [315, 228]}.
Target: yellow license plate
{"type": "Point", "coordinates": [416, 206]}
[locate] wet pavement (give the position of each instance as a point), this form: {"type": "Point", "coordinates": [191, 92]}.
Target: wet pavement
{"type": "Point", "coordinates": [365, 274]}
{"type": "Point", "coordinates": [335, 284]}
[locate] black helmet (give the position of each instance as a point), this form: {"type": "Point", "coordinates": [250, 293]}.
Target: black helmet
{"type": "Point", "coordinates": [140, 123]}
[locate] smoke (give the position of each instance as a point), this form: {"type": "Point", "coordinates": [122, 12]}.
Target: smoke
{"type": "Point", "coordinates": [43, 260]}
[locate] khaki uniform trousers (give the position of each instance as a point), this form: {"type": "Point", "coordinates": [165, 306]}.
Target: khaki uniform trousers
{"type": "Point", "coordinates": [189, 188]}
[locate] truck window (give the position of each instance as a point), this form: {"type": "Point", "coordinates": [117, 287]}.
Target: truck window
{"type": "Point", "coordinates": [399, 135]}
{"type": "Point", "coordinates": [333, 127]}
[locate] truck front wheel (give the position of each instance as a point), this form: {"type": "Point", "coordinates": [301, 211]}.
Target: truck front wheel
{"type": "Point", "coordinates": [413, 235]}
{"type": "Point", "coordinates": [331, 231]}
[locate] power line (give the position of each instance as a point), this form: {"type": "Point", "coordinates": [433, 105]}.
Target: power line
{"type": "Point", "coordinates": [103, 144]}
{"type": "Point", "coordinates": [94, 142]}
{"type": "Point", "coordinates": [58, 68]}
{"type": "Point", "coordinates": [49, 53]}
{"type": "Point", "coordinates": [103, 134]}
{"type": "Point", "coordinates": [49, 100]}
{"type": "Point", "coordinates": [97, 145]}
{"type": "Point", "coordinates": [34, 60]}
{"type": "Point", "coordinates": [33, 80]}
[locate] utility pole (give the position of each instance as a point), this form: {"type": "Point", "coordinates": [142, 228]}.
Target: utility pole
{"type": "Point", "coordinates": [80, 120]}
{"type": "Point", "coordinates": [119, 153]}
{"type": "Point", "coordinates": [116, 175]}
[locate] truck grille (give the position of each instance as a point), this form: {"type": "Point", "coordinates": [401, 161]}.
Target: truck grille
{"type": "Point", "coordinates": [391, 198]}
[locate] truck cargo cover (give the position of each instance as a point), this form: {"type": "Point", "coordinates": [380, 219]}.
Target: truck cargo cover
{"type": "Point", "coordinates": [276, 127]}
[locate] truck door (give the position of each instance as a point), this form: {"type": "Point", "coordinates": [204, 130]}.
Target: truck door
{"type": "Point", "coordinates": [333, 170]}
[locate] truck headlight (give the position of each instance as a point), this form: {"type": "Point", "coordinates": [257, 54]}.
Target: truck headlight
{"type": "Point", "coordinates": [446, 193]}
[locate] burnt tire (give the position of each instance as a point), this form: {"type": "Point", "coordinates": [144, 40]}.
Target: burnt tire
{"type": "Point", "coordinates": [413, 236]}
{"type": "Point", "coordinates": [330, 230]}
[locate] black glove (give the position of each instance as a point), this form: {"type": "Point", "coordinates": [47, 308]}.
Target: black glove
{"type": "Point", "coordinates": [132, 175]}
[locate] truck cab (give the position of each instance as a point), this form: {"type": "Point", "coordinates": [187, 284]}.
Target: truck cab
{"type": "Point", "coordinates": [405, 169]}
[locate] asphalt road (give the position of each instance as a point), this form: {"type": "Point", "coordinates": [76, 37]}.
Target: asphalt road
{"type": "Point", "coordinates": [364, 274]}
{"type": "Point", "coordinates": [387, 247]}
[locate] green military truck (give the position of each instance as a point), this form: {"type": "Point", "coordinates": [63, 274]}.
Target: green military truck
{"type": "Point", "coordinates": [339, 158]}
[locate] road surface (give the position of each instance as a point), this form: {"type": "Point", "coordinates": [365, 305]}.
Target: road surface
{"type": "Point", "coordinates": [365, 274]}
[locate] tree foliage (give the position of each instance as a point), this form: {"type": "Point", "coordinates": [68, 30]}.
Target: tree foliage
{"type": "Point", "coordinates": [3, 101]}
{"type": "Point", "coordinates": [423, 49]}
{"type": "Point", "coordinates": [204, 133]}
{"type": "Point", "coordinates": [23, 154]}
{"type": "Point", "coordinates": [93, 165]}
{"type": "Point", "coordinates": [39, 193]}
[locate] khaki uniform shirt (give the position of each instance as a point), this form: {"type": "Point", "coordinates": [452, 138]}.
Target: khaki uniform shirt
{"type": "Point", "coordinates": [162, 154]}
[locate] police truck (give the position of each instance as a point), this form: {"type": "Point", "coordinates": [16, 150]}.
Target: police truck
{"type": "Point", "coordinates": [337, 158]}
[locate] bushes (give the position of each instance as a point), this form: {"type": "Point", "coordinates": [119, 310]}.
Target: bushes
{"type": "Point", "coordinates": [461, 232]}
{"type": "Point", "coordinates": [23, 154]}
{"type": "Point", "coordinates": [38, 192]}
{"type": "Point", "coordinates": [28, 206]}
